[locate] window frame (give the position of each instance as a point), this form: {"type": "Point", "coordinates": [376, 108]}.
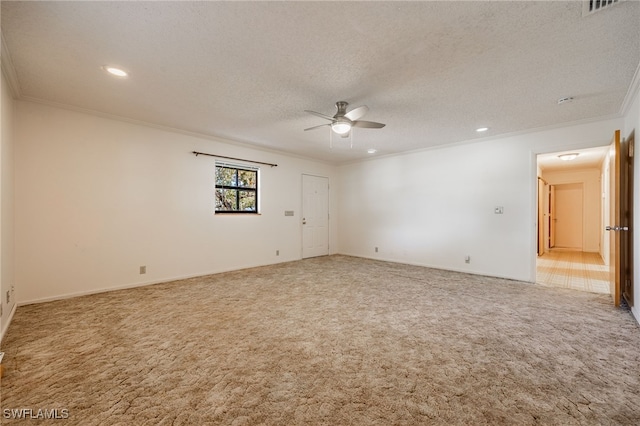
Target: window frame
{"type": "Point", "coordinates": [237, 188]}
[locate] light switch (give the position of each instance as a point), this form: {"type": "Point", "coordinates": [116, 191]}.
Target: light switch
{"type": "Point", "coordinates": [498, 210]}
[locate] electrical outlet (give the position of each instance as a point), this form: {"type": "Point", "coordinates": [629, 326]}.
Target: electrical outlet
{"type": "Point", "coordinates": [143, 270]}
{"type": "Point", "coordinates": [8, 296]}
{"type": "Point", "coordinates": [467, 259]}
{"type": "Point", "coordinates": [376, 249]}
{"type": "Point", "coordinates": [277, 252]}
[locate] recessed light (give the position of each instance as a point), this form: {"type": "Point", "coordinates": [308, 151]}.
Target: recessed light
{"type": "Point", "coordinates": [372, 150]}
{"type": "Point", "coordinates": [568, 157]}
{"type": "Point", "coordinates": [115, 71]}
{"type": "Point", "coordinates": [482, 129]}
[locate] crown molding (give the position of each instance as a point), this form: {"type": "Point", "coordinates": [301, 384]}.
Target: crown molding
{"type": "Point", "coordinates": [9, 70]}
{"type": "Point", "coordinates": [634, 89]}
{"type": "Point", "coordinates": [490, 138]}
{"type": "Point", "coordinates": [170, 129]}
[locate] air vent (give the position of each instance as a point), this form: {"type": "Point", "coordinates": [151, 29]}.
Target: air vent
{"type": "Point", "coordinates": [593, 6]}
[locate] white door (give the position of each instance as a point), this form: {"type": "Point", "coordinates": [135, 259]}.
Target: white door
{"type": "Point", "coordinates": [315, 216]}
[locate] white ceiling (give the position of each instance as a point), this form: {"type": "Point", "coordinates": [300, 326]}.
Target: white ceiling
{"type": "Point", "coordinates": [587, 158]}
{"type": "Point", "coordinates": [246, 71]}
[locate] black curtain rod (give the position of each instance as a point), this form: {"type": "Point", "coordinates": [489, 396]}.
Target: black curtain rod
{"type": "Point", "coordinates": [233, 158]}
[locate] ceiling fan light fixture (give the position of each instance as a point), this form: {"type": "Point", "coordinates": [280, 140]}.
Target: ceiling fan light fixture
{"type": "Point", "coordinates": [341, 127]}
{"type": "Point", "coordinates": [568, 157]}
{"type": "Point", "coordinates": [343, 121]}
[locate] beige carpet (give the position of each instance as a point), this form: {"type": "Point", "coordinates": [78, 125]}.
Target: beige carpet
{"type": "Point", "coordinates": [327, 341]}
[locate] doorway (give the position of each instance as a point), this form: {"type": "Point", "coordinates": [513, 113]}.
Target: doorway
{"type": "Point", "coordinates": [570, 221]}
{"type": "Point", "coordinates": [614, 164]}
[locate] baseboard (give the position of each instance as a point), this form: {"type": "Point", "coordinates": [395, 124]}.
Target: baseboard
{"type": "Point", "coordinates": [6, 326]}
{"type": "Point", "coordinates": [636, 314]}
{"type": "Point", "coordinates": [427, 265]}
{"type": "Point", "coordinates": [141, 284]}
{"type": "Point", "coordinates": [571, 249]}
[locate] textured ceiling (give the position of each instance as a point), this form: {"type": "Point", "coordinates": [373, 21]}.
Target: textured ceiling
{"type": "Point", "coordinates": [246, 71]}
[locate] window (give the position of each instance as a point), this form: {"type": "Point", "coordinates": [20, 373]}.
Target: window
{"type": "Point", "coordinates": [236, 189]}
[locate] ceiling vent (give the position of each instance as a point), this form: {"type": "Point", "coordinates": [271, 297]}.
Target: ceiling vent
{"type": "Point", "coordinates": [593, 6]}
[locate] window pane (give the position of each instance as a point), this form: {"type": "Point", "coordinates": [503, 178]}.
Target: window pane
{"type": "Point", "coordinates": [225, 176]}
{"type": "Point", "coordinates": [226, 200]}
{"type": "Point", "coordinates": [248, 201]}
{"type": "Point", "coordinates": [247, 178]}
{"type": "Point", "coordinates": [236, 190]}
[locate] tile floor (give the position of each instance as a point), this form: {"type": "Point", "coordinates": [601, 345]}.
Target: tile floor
{"type": "Point", "coordinates": [573, 269]}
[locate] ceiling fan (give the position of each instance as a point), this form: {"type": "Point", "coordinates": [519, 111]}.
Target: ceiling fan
{"type": "Point", "coordinates": [343, 121]}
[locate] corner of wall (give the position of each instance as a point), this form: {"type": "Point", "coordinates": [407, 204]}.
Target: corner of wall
{"type": "Point", "coordinates": [7, 276]}
{"type": "Point", "coordinates": [6, 323]}
{"type": "Point", "coordinates": [8, 70]}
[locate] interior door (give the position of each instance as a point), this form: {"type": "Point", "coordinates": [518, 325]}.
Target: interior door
{"type": "Point", "coordinates": [621, 217]}
{"type": "Point", "coordinates": [569, 212]}
{"type": "Point", "coordinates": [315, 216]}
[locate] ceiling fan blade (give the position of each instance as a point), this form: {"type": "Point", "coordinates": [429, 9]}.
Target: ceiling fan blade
{"type": "Point", "coordinates": [368, 124]}
{"type": "Point", "coordinates": [315, 127]}
{"type": "Point", "coordinates": [357, 113]}
{"type": "Point", "coordinates": [326, 117]}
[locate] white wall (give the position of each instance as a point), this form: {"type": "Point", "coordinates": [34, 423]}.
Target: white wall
{"type": "Point", "coordinates": [98, 198]}
{"type": "Point", "coordinates": [632, 124]}
{"type": "Point", "coordinates": [6, 207]}
{"type": "Point", "coordinates": [592, 198]}
{"type": "Point", "coordinates": [436, 206]}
